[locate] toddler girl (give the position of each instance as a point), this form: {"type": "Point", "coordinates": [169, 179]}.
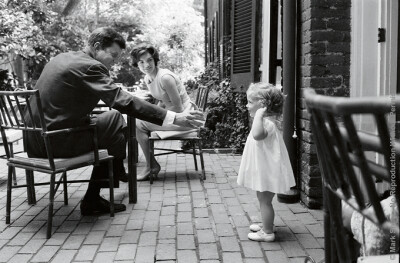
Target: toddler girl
{"type": "Point", "coordinates": [265, 165]}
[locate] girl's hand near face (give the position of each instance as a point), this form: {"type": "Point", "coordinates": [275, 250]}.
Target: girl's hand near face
{"type": "Point", "coordinates": [261, 112]}
{"type": "Point", "coordinates": [258, 131]}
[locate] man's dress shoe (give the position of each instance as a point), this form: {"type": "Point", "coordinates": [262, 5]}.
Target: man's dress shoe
{"type": "Point", "coordinates": [99, 206]}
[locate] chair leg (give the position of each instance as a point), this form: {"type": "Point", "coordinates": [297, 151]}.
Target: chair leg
{"type": "Point", "coordinates": [64, 175]}
{"type": "Point", "coordinates": [9, 188]}
{"type": "Point", "coordinates": [30, 187]}
{"type": "Point", "coordinates": [11, 147]}
{"type": "Point", "coordinates": [111, 185]}
{"type": "Point", "coordinates": [151, 150]}
{"type": "Point", "coordinates": [194, 154]}
{"type": "Point", "coordinates": [32, 178]}
{"type": "Point", "coordinates": [201, 159]}
{"type": "Point", "coordinates": [51, 205]}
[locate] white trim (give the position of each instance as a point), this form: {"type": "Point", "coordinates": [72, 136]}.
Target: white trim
{"type": "Point", "coordinates": [264, 67]}
{"type": "Point", "coordinates": [392, 47]}
{"type": "Point", "coordinates": [364, 66]}
{"type": "Point", "coordinates": [373, 66]}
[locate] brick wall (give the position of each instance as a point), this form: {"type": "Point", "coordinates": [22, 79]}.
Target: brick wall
{"type": "Point", "coordinates": [325, 67]}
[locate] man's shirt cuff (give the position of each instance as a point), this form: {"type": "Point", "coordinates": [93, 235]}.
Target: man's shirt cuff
{"type": "Point", "coordinates": [169, 118]}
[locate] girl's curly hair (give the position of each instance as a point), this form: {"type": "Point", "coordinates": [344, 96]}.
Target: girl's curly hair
{"type": "Point", "coordinates": [270, 96]}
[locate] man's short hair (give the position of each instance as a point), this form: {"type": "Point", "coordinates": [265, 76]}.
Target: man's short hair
{"type": "Point", "coordinates": [140, 49]}
{"type": "Point", "coordinates": [106, 36]}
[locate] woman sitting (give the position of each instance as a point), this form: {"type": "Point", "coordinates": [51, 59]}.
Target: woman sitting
{"type": "Point", "coordinates": [373, 240]}
{"type": "Point", "coordinates": [166, 87]}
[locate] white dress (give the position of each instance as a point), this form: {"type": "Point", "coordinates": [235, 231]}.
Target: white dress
{"type": "Point", "coordinates": [265, 164]}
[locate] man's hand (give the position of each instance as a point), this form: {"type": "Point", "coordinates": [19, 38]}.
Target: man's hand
{"type": "Point", "coordinates": [191, 119]}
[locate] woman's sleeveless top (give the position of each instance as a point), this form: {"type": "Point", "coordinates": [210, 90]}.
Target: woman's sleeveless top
{"type": "Point", "coordinates": [158, 91]}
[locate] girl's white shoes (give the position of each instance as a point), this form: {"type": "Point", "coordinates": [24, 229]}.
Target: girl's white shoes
{"type": "Point", "coordinates": [261, 236]}
{"type": "Point", "coordinates": [255, 228]}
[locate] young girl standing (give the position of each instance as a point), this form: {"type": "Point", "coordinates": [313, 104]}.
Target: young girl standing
{"type": "Point", "coordinates": [265, 165]}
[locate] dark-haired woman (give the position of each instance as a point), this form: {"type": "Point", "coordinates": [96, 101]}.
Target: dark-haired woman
{"type": "Point", "coordinates": [166, 87]}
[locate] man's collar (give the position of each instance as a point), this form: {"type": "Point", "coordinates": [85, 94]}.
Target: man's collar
{"type": "Point", "coordinates": [87, 50]}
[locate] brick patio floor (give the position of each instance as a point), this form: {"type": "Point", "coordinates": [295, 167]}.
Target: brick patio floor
{"type": "Point", "coordinates": [177, 219]}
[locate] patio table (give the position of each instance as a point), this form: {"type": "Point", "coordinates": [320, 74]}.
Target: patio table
{"type": "Point", "coordinates": [133, 151]}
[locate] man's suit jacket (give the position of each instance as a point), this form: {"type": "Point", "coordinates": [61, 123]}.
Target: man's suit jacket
{"type": "Point", "coordinates": [71, 86]}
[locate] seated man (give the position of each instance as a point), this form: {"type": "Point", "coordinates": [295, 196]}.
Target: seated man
{"type": "Point", "coordinates": [70, 87]}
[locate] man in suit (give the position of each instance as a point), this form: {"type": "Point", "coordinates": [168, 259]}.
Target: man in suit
{"type": "Point", "coordinates": [70, 87]}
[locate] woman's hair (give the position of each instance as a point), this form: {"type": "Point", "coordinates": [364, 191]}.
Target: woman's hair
{"type": "Point", "coordinates": [269, 95]}
{"type": "Point", "coordinates": [106, 36]}
{"type": "Point", "coordinates": [140, 49]}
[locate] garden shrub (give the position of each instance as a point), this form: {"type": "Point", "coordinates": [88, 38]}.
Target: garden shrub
{"type": "Point", "coordinates": [227, 115]}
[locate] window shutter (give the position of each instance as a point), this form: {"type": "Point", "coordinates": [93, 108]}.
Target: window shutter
{"type": "Point", "coordinates": [243, 43]}
{"type": "Point", "coordinates": [216, 36]}
{"type": "Point", "coordinates": [209, 41]}
{"type": "Point", "coordinates": [212, 41]}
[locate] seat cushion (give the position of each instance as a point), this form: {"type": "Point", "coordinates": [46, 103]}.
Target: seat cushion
{"type": "Point", "coordinates": [60, 163]}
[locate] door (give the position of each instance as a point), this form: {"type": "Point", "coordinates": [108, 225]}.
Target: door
{"type": "Point", "coordinates": [374, 55]}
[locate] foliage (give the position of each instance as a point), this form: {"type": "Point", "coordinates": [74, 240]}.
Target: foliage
{"type": "Point", "coordinates": [6, 80]}
{"type": "Point", "coordinates": [227, 116]}
{"type": "Point", "coordinates": [39, 30]}
{"type": "Point", "coordinates": [175, 28]}
{"type": "Point", "coordinates": [227, 119]}
{"type": "Point", "coordinates": [30, 30]}
{"type": "Point", "coordinates": [208, 78]}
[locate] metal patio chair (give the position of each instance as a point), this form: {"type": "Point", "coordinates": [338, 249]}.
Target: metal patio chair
{"type": "Point", "coordinates": [341, 151]}
{"type": "Point", "coordinates": [193, 138]}
{"type": "Point", "coordinates": [49, 165]}
{"type": "Point", "coordinates": [13, 136]}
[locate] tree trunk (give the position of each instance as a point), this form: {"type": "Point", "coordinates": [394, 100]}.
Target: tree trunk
{"type": "Point", "coordinates": [69, 8]}
{"type": "Point", "coordinates": [97, 12]}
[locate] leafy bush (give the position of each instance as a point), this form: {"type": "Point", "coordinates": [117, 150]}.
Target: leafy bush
{"type": "Point", "coordinates": [227, 119]}
{"type": "Point", "coordinates": [209, 78]}
{"type": "Point", "coordinates": [6, 80]}
{"type": "Point", "coordinates": [227, 115]}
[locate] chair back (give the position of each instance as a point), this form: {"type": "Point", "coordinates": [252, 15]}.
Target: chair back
{"type": "Point", "coordinates": [341, 151]}
{"type": "Point", "coordinates": [13, 104]}
{"type": "Point", "coordinates": [201, 97]}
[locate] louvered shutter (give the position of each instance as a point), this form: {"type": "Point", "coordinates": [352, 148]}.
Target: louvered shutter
{"type": "Point", "coordinates": [209, 41]}
{"type": "Point", "coordinates": [212, 41]}
{"type": "Point", "coordinates": [243, 43]}
{"type": "Point", "coordinates": [216, 37]}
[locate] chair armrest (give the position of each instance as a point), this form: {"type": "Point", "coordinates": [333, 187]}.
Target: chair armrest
{"type": "Point", "coordinates": [92, 127]}
{"type": "Point", "coordinates": [70, 130]}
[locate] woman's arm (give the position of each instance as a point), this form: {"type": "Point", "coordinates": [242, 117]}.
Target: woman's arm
{"type": "Point", "coordinates": [170, 88]}
{"type": "Point", "coordinates": [258, 131]}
